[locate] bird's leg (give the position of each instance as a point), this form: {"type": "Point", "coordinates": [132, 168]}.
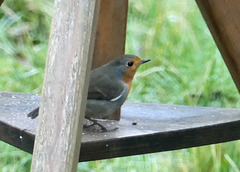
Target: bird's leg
{"type": "Point", "coordinates": [94, 122]}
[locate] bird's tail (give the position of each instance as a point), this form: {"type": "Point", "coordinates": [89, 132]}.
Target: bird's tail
{"type": "Point", "coordinates": [34, 113]}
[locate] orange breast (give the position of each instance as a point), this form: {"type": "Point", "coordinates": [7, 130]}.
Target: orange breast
{"type": "Point", "coordinates": [130, 72]}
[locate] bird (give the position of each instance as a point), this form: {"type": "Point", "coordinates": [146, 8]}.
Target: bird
{"type": "Point", "coordinates": [109, 87]}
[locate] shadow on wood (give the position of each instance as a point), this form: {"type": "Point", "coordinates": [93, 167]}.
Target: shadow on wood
{"type": "Point", "coordinates": [144, 128]}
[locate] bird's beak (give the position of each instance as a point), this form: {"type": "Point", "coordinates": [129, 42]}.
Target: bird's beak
{"type": "Point", "coordinates": [144, 61]}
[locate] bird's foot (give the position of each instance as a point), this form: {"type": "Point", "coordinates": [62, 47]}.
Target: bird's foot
{"type": "Point", "coordinates": [102, 128]}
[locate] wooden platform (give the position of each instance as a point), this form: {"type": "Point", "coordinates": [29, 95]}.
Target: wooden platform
{"type": "Point", "coordinates": [144, 128]}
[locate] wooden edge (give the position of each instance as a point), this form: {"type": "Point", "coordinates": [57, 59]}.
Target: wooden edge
{"type": "Point", "coordinates": [14, 136]}
{"type": "Point", "coordinates": [159, 142]}
{"type": "Point", "coordinates": [144, 127]}
{"type": "Point", "coordinates": [119, 147]}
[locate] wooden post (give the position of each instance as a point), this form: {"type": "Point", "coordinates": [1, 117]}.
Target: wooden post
{"type": "Point", "coordinates": [111, 34]}
{"type": "Point", "coordinates": [111, 31]}
{"type": "Point", "coordinates": [58, 138]}
{"type": "Point", "coordinates": [223, 20]}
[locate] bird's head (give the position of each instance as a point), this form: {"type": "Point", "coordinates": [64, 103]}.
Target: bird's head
{"type": "Point", "coordinates": [126, 66]}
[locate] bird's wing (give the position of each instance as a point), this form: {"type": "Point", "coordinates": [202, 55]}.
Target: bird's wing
{"type": "Point", "coordinates": [106, 87]}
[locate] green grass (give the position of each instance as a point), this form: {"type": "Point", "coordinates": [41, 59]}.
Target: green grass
{"type": "Point", "coordinates": [186, 68]}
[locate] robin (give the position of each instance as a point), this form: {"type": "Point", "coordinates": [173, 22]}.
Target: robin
{"type": "Point", "coordinates": [108, 88]}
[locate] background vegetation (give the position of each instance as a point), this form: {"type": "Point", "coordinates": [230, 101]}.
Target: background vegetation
{"type": "Point", "coordinates": [186, 68]}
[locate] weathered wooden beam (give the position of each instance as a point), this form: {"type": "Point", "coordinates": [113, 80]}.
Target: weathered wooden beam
{"type": "Point", "coordinates": [144, 128]}
{"type": "Point", "coordinates": [111, 34]}
{"type": "Point", "coordinates": [222, 18]}
{"type": "Point", "coordinates": [111, 31]}
{"type": "Point", "coordinates": [64, 94]}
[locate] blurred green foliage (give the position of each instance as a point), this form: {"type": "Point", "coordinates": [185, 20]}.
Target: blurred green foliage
{"type": "Point", "coordinates": [186, 68]}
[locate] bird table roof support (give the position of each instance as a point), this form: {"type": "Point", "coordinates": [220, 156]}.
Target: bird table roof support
{"type": "Point", "coordinates": [222, 18]}
{"type": "Point", "coordinates": [64, 95]}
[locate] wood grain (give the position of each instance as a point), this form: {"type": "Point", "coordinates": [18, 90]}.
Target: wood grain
{"type": "Point", "coordinates": [222, 18]}
{"type": "Point", "coordinates": [111, 35]}
{"type": "Point", "coordinates": [65, 86]}
{"type": "Point", "coordinates": [157, 128]}
{"type": "Point", "coordinates": [111, 31]}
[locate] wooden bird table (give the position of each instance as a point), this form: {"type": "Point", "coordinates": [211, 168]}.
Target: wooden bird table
{"type": "Point", "coordinates": [143, 128]}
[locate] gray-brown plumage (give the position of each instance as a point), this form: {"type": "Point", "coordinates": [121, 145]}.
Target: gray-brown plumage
{"type": "Point", "coordinates": [109, 86]}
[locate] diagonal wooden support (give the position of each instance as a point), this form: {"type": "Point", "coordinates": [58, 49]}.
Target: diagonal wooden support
{"type": "Point", "coordinates": [58, 138]}
{"type": "Point", "coordinates": [223, 20]}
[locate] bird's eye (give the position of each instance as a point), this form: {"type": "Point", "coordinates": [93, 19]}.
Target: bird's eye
{"type": "Point", "coordinates": [129, 64]}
